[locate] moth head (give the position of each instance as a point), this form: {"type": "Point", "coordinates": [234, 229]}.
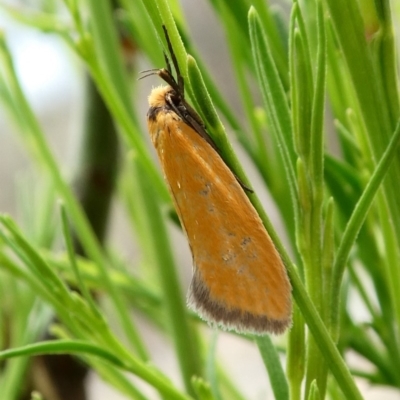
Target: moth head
{"type": "Point", "coordinates": [160, 95]}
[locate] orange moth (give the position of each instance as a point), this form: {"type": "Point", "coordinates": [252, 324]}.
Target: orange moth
{"type": "Point", "coordinates": [239, 280]}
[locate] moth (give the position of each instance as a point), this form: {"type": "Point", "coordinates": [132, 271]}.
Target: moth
{"type": "Point", "coordinates": [239, 280]}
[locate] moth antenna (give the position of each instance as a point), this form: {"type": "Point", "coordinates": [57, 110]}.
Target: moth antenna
{"type": "Point", "coordinates": [167, 63]}
{"type": "Point", "coordinates": [151, 72]}
{"type": "Point", "coordinates": [179, 77]}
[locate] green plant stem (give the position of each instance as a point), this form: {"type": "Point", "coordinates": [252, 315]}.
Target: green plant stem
{"type": "Point", "coordinates": [23, 306]}
{"type": "Point", "coordinates": [314, 322]}
{"type": "Point", "coordinates": [79, 347]}
{"type": "Point", "coordinates": [391, 276]}
{"type": "Point", "coordinates": [296, 352]}
{"type": "Point", "coordinates": [275, 41]}
{"type": "Point", "coordinates": [316, 366]}
{"type": "Point", "coordinates": [72, 259]}
{"type": "Point", "coordinates": [354, 225]}
{"type": "Point", "coordinates": [257, 145]}
{"type": "Point", "coordinates": [385, 56]}
{"type": "Point", "coordinates": [301, 83]}
{"type": "Point", "coordinates": [272, 362]}
{"type": "Point", "coordinates": [374, 107]}
{"type": "Point", "coordinates": [322, 338]}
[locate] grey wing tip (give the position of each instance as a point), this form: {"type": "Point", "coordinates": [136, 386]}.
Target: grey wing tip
{"type": "Point", "coordinates": [231, 319]}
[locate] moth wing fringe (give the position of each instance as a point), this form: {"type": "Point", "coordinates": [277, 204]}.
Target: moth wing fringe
{"type": "Point", "coordinates": [199, 300]}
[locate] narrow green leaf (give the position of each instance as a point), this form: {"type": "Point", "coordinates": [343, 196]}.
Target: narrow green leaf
{"type": "Point", "coordinates": [314, 392]}
{"type": "Point", "coordinates": [273, 364]}
{"type": "Point", "coordinates": [296, 353]}
{"type": "Point", "coordinates": [58, 287]}
{"type": "Point", "coordinates": [275, 100]}
{"type": "Point", "coordinates": [62, 347]}
{"type": "Point", "coordinates": [72, 259]}
{"type": "Point", "coordinates": [202, 389]}
{"type": "Point", "coordinates": [212, 120]}
{"type": "Point", "coordinates": [323, 339]}
{"type": "Point", "coordinates": [211, 370]}
{"type": "Point", "coordinates": [206, 107]}
{"type": "Point", "coordinates": [301, 84]}
{"type": "Point", "coordinates": [318, 107]}
{"type": "Point", "coordinates": [328, 251]}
